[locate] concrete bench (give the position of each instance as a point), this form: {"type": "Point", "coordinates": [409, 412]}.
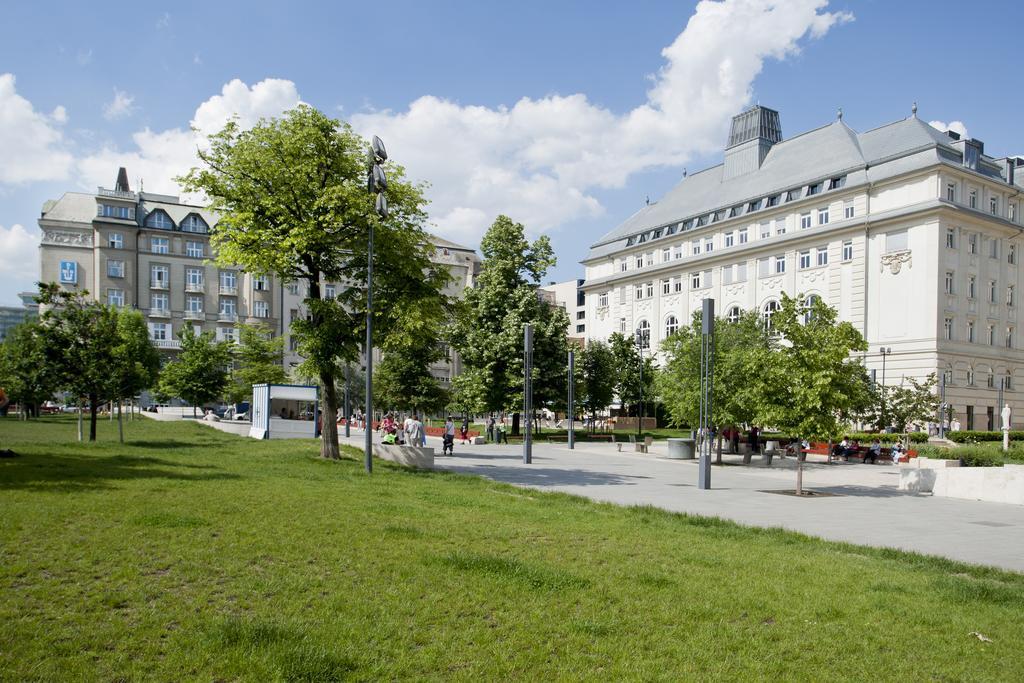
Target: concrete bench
{"type": "Point", "coordinates": [410, 456]}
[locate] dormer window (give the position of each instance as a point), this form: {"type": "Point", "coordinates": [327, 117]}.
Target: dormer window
{"type": "Point", "coordinates": [735, 211]}
{"type": "Point", "coordinates": [194, 223]}
{"type": "Point", "coordinates": [657, 233]}
{"type": "Point", "coordinates": [774, 200]}
{"type": "Point", "coordinates": [671, 230]}
{"type": "Point", "coordinates": [159, 219]}
{"type": "Point", "coordinates": [754, 206]}
{"type": "Point", "coordinates": [630, 241]}
{"type": "Point", "coordinates": [836, 183]}
{"type": "Point", "coordinates": [792, 194]}
{"type": "Point", "coordinates": [813, 189]}
{"type": "Point", "coordinates": [642, 238]}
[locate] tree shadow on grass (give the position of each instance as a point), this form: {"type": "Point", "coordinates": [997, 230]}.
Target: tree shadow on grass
{"type": "Point", "coordinates": [71, 473]}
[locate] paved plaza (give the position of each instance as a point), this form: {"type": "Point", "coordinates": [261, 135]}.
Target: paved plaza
{"type": "Point", "coordinates": [867, 506]}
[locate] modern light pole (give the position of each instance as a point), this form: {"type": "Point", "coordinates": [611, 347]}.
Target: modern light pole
{"type": "Point", "coordinates": [643, 339]}
{"type": "Point", "coordinates": [376, 183]}
{"type": "Point", "coordinates": [707, 382]}
{"type": "Point", "coordinates": [885, 351]}
{"type": "Point", "coordinates": [572, 399]}
{"type": "Point", "coordinates": [528, 393]}
{"type": "Point", "coordinates": [348, 407]}
{"type": "Point", "coordinates": [942, 407]}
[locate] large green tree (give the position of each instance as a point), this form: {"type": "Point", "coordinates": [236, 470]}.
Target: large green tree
{"type": "Point", "coordinates": [25, 374]}
{"type": "Point", "coordinates": [488, 330]}
{"type": "Point", "coordinates": [257, 360]}
{"type": "Point", "coordinates": [634, 374]}
{"type": "Point", "coordinates": [740, 351]}
{"type": "Point", "coordinates": [403, 380]}
{"type": "Point", "coordinates": [595, 368]}
{"type": "Point", "coordinates": [200, 373]}
{"type": "Point", "coordinates": [81, 339]}
{"type": "Point", "coordinates": [136, 361]}
{"type": "Point", "coordinates": [292, 196]}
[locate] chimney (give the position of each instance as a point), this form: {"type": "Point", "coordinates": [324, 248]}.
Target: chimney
{"type": "Point", "coordinates": [1009, 165]}
{"type": "Point", "coordinates": [122, 181]}
{"type": "Point", "coordinates": [752, 134]}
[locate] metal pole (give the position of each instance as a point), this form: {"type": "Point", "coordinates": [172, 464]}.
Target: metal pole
{"type": "Point", "coordinates": [640, 410]}
{"type": "Point", "coordinates": [942, 406]}
{"type": "Point", "coordinates": [572, 399]}
{"type": "Point", "coordinates": [707, 383]}
{"type": "Point", "coordinates": [999, 405]}
{"type": "Point", "coordinates": [348, 407]}
{"type": "Point", "coordinates": [368, 416]}
{"type": "Point", "coordinates": [528, 393]}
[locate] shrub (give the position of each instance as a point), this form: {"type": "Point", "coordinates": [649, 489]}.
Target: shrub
{"type": "Point", "coordinates": [979, 436]}
{"type": "Point", "coordinates": [975, 456]}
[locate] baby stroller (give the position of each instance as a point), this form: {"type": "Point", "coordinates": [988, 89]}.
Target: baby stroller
{"type": "Point", "coordinates": [449, 444]}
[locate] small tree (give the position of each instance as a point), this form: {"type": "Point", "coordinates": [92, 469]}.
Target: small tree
{"type": "Point", "coordinates": [25, 373]}
{"type": "Point", "coordinates": [467, 394]}
{"type": "Point", "coordinates": [136, 361]}
{"type": "Point", "coordinates": [907, 403]}
{"type": "Point", "coordinates": [403, 379]}
{"type": "Point", "coordinates": [200, 372]}
{"type": "Point", "coordinates": [257, 360]}
{"type": "Point", "coordinates": [635, 374]}
{"type": "Point", "coordinates": [595, 367]}
{"type": "Point", "coordinates": [81, 339]}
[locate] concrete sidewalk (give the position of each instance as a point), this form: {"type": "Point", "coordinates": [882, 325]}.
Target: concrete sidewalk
{"type": "Point", "coordinates": [866, 506]}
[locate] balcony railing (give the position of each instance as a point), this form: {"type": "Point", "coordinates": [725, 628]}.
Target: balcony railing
{"type": "Point", "coordinates": [227, 317]}
{"type": "Point", "coordinates": [194, 287]}
{"type": "Point", "coordinates": [228, 289]}
{"type": "Point", "coordinates": [158, 284]}
{"type": "Point", "coordinates": [118, 194]}
{"type": "Point", "coordinates": [194, 315]}
{"type": "Point", "coordinates": [159, 313]}
{"type": "Point", "coordinates": [166, 343]}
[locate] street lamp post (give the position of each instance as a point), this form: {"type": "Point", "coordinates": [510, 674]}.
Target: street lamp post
{"type": "Point", "coordinates": [885, 351]}
{"type": "Point", "coordinates": [643, 337]}
{"type": "Point", "coordinates": [572, 399]}
{"type": "Point", "coordinates": [376, 183]}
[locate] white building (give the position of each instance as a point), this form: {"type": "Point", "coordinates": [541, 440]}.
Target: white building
{"type": "Point", "coordinates": [570, 296]}
{"type": "Point", "coordinates": [912, 234]}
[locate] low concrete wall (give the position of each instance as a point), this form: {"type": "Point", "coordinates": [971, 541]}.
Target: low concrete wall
{"type": "Point", "coordinates": [410, 456]}
{"type": "Point", "coordinates": [231, 427]}
{"type": "Point", "coordinates": [946, 478]}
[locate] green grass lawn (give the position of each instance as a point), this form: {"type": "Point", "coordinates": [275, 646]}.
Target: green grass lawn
{"type": "Point", "coordinates": [189, 554]}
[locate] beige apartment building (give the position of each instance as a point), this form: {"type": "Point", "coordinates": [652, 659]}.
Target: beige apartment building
{"type": "Point", "coordinates": [152, 252]}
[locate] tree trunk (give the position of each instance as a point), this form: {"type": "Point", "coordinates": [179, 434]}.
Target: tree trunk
{"type": "Point", "coordinates": [718, 456]}
{"type": "Point", "coordinates": [120, 424]}
{"type": "Point", "coordinates": [94, 406]}
{"type": "Point", "coordinates": [79, 402]}
{"type": "Point", "coordinates": [329, 419]}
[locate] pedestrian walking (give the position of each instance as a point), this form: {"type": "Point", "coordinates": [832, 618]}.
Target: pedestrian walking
{"type": "Point", "coordinates": [449, 437]}
{"type": "Point", "coordinates": [464, 431]}
{"type": "Point", "coordinates": [414, 431]}
{"type": "Point", "coordinates": [503, 431]}
{"type": "Point", "coordinates": [490, 429]}
{"type": "Point", "coordinates": [754, 439]}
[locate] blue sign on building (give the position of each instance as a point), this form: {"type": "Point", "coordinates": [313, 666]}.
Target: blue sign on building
{"type": "Point", "coordinates": [69, 272]}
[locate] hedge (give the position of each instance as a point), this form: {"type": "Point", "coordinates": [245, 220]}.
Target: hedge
{"type": "Point", "coordinates": [977, 436]}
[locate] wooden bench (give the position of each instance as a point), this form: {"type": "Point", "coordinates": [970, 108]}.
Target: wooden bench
{"type": "Point", "coordinates": [862, 453]}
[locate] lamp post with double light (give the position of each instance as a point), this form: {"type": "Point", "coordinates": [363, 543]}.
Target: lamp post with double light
{"type": "Point", "coordinates": [376, 183]}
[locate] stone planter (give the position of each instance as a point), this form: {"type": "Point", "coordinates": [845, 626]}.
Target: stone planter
{"type": "Point", "coordinates": [681, 449]}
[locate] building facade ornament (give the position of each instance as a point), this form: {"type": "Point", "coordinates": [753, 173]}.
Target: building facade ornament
{"type": "Point", "coordinates": [894, 261]}
{"type": "Point", "coordinates": [70, 238]}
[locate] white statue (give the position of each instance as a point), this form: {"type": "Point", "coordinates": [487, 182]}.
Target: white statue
{"type": "Point", "coordinates": [1006, 427]}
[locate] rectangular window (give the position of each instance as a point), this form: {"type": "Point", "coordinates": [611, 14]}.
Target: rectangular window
{"type": "Point", "coordinates": [622, 325]}
{"type": "Point", "coordinates": [261, 309]}
{"type": "Point", "coordinates": [992, 291]}
{"type": "Point", "coordinates": [991, 335]}
{"type": "Point", "coordinates": [115, 297]}
{"type": "Point", "coordinates": [228, 279]}
{"type": "Point", "coordinates": [970, 331]}
{"type": "Point", "coordinates": [780, 264]}
{"type": "Point", "coordinates": [813, 189]}
{"type": "Point", "coordinates": [194, 249]}
{"type": "Point", "coordinates": [666, 255]}
{"type": "Point", "coordinates": [649, 258]}
{"type": "Point", "coordinates": [951, 192]}
{"type": "Point", "coordinates": [709, 245]}
{"type": "Point", "coordinates": [743, 236]}
{"type": "Point", "coordinates": [677, 251]}
{"type": "Point", "coordinates": [823, 216]}
{"type": "Point", "coordinates": [696, 247]}
{"type": "Point", "coordinates": [329, 291]}
{"type": "Point", "coordinates": [159, 245]}
{"type": "Point", "coordinates": [741, 271]}
{"type": "Point", "coordinates": [993, 206]}
{"type": "Point", "coordinates": [638, 292]}
{"type": "Point", "coordinates": [848, 210]}
{"type": "Point", "coordinates": [194, 277]}
{"type": "Point", "coordinates": [848, 250]}
{"type": "Point", "coordinates": [728, 239]}
{"type": "Point", "coordinates": [822, 256]}
{"type": "Point", "coordinates": [950, 238]}
{"type": "Point", "coordinates": [763, 267]}
{"type": "Point", "coordinates": [805, 259]}
{"type": "Point", "coordinates": [1011, 212]}
{"type": "Point", "coordinates": [677, 284]}
{"type": "Point", "coordinates": [158, 302]}
{"type": "Point", "coordinates": [949, 282]}
{"type": "Point", "coordinates": [158, 276]}
{"type": "Point", "coordinates": [622, 295]}
{"type": "Point", "coordinates": [695, 281]}
{"type": "Point", "coordinates": [1009, 337]}
{"type": "Point", "coordinates": [115, 240]}
{"type": "Point", "coordinates": [623, 265]}
{"type": "Point", "coordinates": [805, 220]}
{"type": "Point", "coordinates": [993, 248]}
{"type": "Point", "coordinates": [948, 329]}
{"type": "Point", "coordinates": [780, 226]}
{"type": "Point", "coordinates": [639, 261]}
{"type": "Point", "coordinates": [115, 268]}
{"type": "Point", "coordinates": [229, 334]}
{"type": "Point", "coordinates": [766, 230]}
{"type": "Point", "coordinates": [581, 315]}
{"type": "Point", "coordinates": [580, 329]}
{"type": "Point", "coordinates": [649, 290]}
{"type": "Point", "coordinates": [973, 199]}
{"type": "Point", "coordinates": [1011, 254]}
{"type": "Point", "coordinates": [1009, 295]}
{"type": "Point", "coordinates": [194, 304]}
{"type": "Point", "coordinates": [228, 306]}
{"type": "Point", "coordinates": [602, 300]}
{"type": "Point", "coordinates": [110, 211]}
{"type": "Point", "coordinates": [972, 243]}
{"type": "Point", "coordinates": [666, 286]}
{"type": "Point", "coordinates": [971, 287]}
{"type": "Point", "coordinates": [158, 331]}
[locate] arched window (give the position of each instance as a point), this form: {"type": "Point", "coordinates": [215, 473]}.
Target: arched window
{"type": "Point", "coordinates": [643, 335]}
{"type": "Point", "coordinates": [671, 325]}
{"type": "Point", "coordinates": [809, 302]}
{"type": "Point", "coordinates": [768, 312]}
{"type": "Point", "coordinates": [159, 219]}
{"type": "Point", "coordinates": [733, 315]}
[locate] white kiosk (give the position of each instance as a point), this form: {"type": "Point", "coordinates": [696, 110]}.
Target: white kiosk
{"type": "Point", "coordinates": [285, 411]}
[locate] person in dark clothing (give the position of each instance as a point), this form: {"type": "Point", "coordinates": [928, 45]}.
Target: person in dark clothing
{"type": "Point", "coordinates": [754, 439]}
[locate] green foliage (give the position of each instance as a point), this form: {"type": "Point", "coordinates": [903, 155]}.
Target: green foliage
{"type": "Point", "coordinates": [632, 385]}
{"type": "Point", "coordinates": [467, 396]}
{"type": "Point", "coordinates": [81, 342]}
{"type": "Point", "coordinates": [25, 374]}
{"type": "Point", "coordinates": [812, 387]}
{"type": "Point", "coordinates": [488, 329]}
{"type": "Point", "coordinates": [908, 403]}
{"type": "Point", "coordinates": [973, 436]}
{"type": "Point", "coordinates": [293, 202]}
{"type": "Point", "coordinates": [257, 360]}
{"type": "Point", "coordinates": [596, 372]}
{"type": "Point", "coordinates": [740, 352]}
{"type": "Point", "coordinates": [976, 456]}
{"type": "Point", "coordinates": [403, 380]}
{"type": "Point", "coordinates": [137, 362]}
{"type": "Point", "coordinates": [199, 374]}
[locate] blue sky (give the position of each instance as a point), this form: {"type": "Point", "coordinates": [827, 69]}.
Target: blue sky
{"type": "Point", "coordinates": [564, 115]}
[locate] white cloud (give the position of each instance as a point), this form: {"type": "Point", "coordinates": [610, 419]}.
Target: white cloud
{"type": "Point", "coordinates": [955, 126]}
{"type": "Point", "coordinates": [19, 258]}
{"type": "Point", "coordinates": [84, 57]}
{"type": "Point", "coordinates": [540, 159]}
{"type": "Point", "coordinates": [119, 107]}
{"type": "Point", "coordinates": [31, 143]}
{"type": "Point", "coordinates": [158, 156]}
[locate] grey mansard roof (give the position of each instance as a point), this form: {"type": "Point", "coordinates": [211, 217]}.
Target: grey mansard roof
{"type": "Point", "coordinates": [817, 155]}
